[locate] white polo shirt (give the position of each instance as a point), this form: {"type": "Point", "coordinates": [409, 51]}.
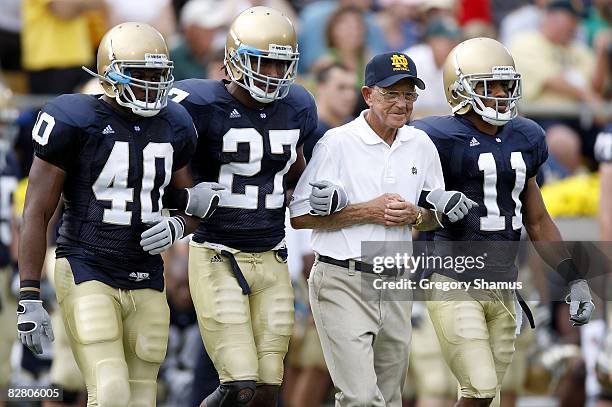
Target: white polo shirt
{"type": "Point", "coordinates": [354, 156]}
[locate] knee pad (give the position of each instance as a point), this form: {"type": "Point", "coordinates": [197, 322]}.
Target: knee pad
{"type": "Point", "coordinates": [112, 385]}
{"type": "Point", "coordinates": [152, 337]}
{"type": "Point", "coordinates": [232, 394]}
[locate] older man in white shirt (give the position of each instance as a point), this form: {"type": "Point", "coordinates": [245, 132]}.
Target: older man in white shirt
{"type": "Point", "coordinates": [368, 177]}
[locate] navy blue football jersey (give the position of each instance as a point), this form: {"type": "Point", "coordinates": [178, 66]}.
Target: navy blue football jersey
{"type": "Point", "coordinates": [249, 151]}
{"type": "Point", "coordinates": [491, 170]}
{"type": "Point", "coordinates": [9, 173]}
{"type": "Point", "coordinates": [116, 174]}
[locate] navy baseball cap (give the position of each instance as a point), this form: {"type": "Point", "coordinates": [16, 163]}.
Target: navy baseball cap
{"type": "Point", "coordinates": [386, 69]}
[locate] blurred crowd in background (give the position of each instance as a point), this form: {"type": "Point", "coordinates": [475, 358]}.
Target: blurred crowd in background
{"type": "Point", "coordinates": [562, 48]}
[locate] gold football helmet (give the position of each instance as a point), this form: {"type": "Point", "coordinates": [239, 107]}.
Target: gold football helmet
{"type": "Point", "coordinates": [257, 34]}
{"type": "Point", "coordinates": [134, 46]}
{"type": "Point", "coordinates": [481, 60]}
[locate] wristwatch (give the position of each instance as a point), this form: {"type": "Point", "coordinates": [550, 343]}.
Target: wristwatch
{"type": "Point", "coordinates": [419, 218]}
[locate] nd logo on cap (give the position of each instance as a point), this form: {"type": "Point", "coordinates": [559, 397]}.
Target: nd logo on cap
{"type": "Point", "coordinates": [399, 62]}
{"type": "Point", "coordinates": [385, 69]}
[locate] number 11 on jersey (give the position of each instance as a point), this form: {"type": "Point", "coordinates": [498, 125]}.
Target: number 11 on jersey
{"type": "Point", "coordinates": [493, 221]}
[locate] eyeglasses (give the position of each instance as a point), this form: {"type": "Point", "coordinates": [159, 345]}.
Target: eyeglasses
{"type": "Point", "coordinates": [393, 96]}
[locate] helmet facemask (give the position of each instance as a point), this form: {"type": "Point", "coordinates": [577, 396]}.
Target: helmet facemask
{"type": "Point", "coordinates": [118, 76]}
{"type": "Point", "coordinates": [244, 66]}
{"type": "Point", "coordinates": [465, 88]}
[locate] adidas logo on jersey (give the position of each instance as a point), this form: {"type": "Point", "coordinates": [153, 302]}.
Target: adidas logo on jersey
{"type": "Point", "coordinates": [234, 114]}
{"type": "Point", "coordinates": [474, 142]}
{"type": "Point", "coordinates": [108, 130]}
{"type": "Point", "coordinates": [216, 259]}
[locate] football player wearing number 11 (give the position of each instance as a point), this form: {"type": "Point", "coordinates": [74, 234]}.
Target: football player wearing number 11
{"type": "Point", "coordinates": [251, 130]}
{"type": "Point", "coordinates": [492, 156]}
{"type": "Point", "coordinates": [114, 158]}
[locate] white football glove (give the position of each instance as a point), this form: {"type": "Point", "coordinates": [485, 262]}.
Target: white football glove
{"type": "Point", "coordinates": [580, 302]}
{"type": "Point", "coordinates": [32, 322]}
{"type": "Point", "coordinates": [161, 236]}
{"type": "Point", "coordinates": [202, 199]}
{"type": "Point", "coordinates": [327, 198]}
{"type": "Point", "coordinates": [455, 205]}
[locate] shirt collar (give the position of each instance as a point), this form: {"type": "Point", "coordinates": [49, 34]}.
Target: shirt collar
{"type": "Point", "coordinates": [370, 137]}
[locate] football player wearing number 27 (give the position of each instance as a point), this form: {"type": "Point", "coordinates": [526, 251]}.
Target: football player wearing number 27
{"type": "Point", "coordinates": [115, 158]}
{"type": "Point", "coordinates": [492, 156]}
{"type": "Point", "coordinates": [251, 130]}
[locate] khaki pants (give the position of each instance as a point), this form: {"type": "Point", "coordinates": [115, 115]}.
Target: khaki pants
{"type": "Point", "coordinates": [118, 338]}
{"type": "Point", "coordinates": [365, 343]}
{"type": "Point", "coordinates": [246, 336]}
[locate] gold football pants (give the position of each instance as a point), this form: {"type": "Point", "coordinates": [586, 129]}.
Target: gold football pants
{"type": "Point", "coordinates": [246, 336]}
{"type": "Point", "coordinates": [118, 338]}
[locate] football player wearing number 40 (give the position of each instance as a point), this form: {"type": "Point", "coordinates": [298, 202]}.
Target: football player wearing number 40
{"type": "Point", "coordinates": [114, 158]}
{"type": "Point", "coordinates": [492, 156]}
{"type": "Point", "coordinates": [251, 130]}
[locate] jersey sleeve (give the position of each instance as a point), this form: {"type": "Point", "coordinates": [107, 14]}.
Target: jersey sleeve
{"type": "Point", "coordinates": [184, 93]}
{"type": "Point", "coordinates": [541, 150]}
{"type": "Point", "coordinates": [187, 138]}
{"type": "Point", "coordinates": [321, 167]}
{"type": "Point", "coordinates": [186, 148]}
{"type": "Point", "coordinates": [54, 137]}
{"type": "Point", "coordinates": [603, 146]}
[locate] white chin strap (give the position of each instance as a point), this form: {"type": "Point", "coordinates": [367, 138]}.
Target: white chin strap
{"type": "Point", "coordinates": [490, 116]}
{"type": "Point", "coordinates": [143, 112]}
{"type": "Point", "coordinates": [136, 109]}
{"type": "Point", "coordinates": [261, 96]}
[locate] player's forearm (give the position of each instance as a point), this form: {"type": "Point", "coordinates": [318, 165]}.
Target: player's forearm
{"type": "Point", "coordinates": [355, 214]}
{"type": "Point", "coordinates": [45, 185]}
{"type": "Point", "coordinates": [548, 242]}
{"type": "Point", "coordinates": [32, 245]}
{"type": "Point", "coordinates": [191, 223]}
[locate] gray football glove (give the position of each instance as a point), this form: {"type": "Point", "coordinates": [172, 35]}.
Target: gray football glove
{"type": "Point", "coordinates": [161, 236]}
{"type": "Point", "coordinates": [32, 322]}
{"type": "Point", "coordinates": [580, 302]}
{"type": "Point", "coordinates": [327, 198]}
{"type": "Point", "coordinates": [455, 205]}
{"type": "Point", "coordinates": [202, 199]}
